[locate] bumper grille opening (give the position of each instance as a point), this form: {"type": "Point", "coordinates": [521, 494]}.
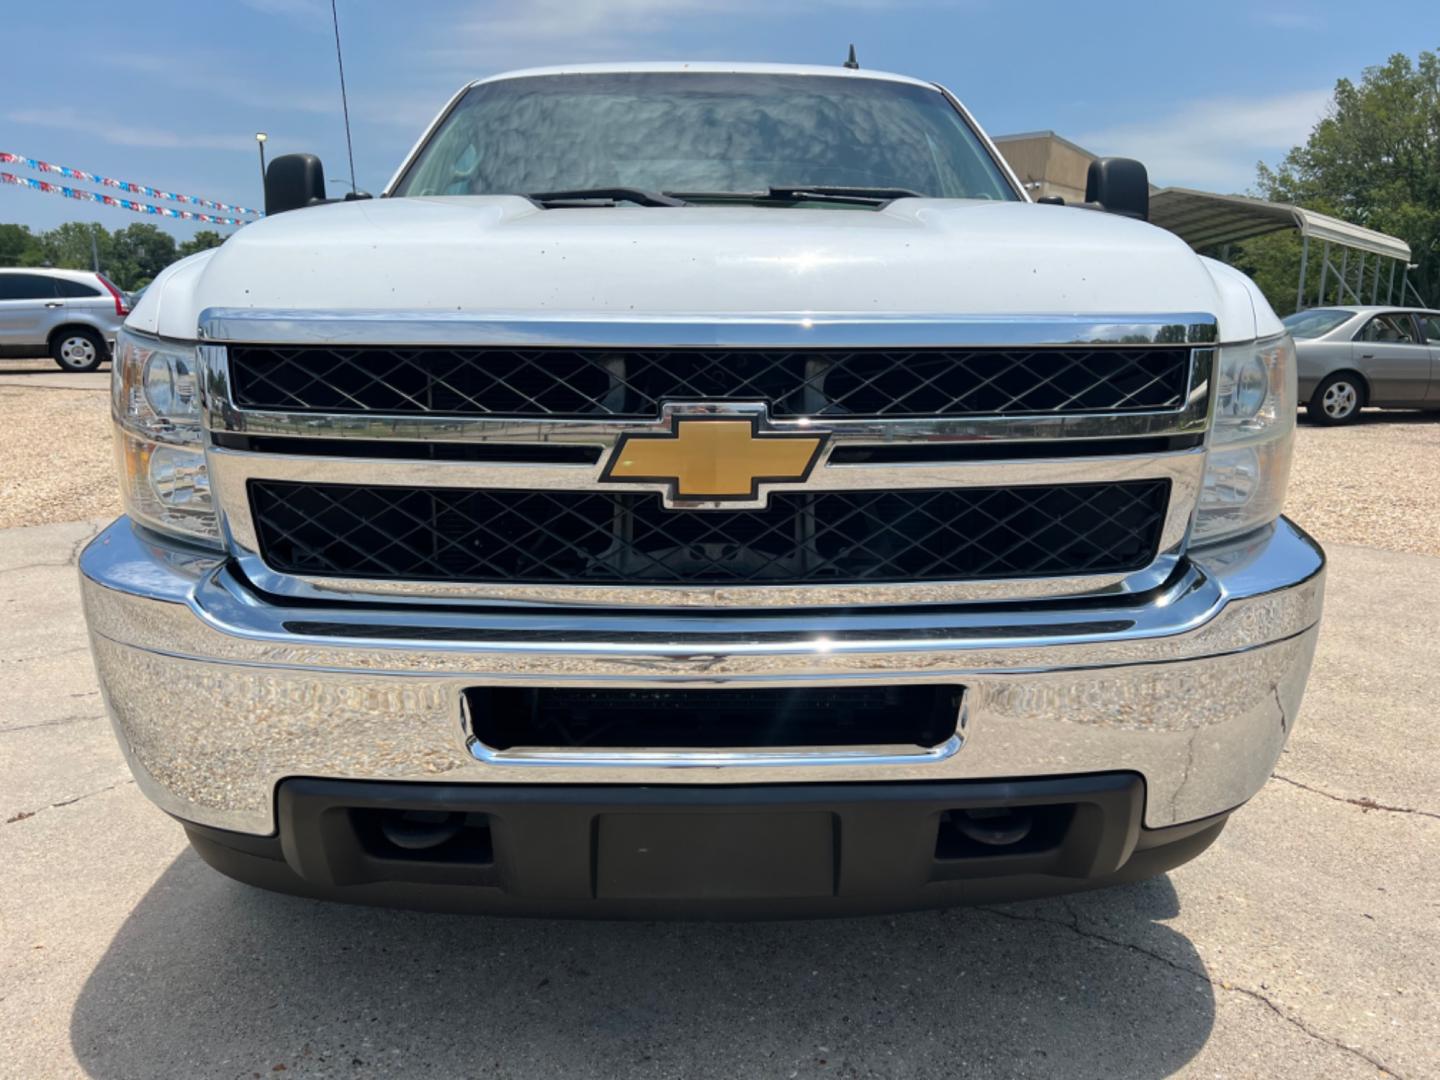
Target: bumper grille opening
{"type": "Point", "coordinates": [602, 538]}
{"type": "Point", "coordinates": [507, 717]}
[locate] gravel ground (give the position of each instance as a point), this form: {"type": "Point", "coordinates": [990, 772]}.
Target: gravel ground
{"type": "Point", "coordinates": [56, 461]}
{"type": "Point", "coordinates": [1372, 484]}
{"type": "Point", "coordinates": [1376, 483]}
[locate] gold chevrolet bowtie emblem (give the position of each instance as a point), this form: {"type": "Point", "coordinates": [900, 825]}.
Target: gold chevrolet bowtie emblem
{"type": "Point", "coordinates": [704, 459]}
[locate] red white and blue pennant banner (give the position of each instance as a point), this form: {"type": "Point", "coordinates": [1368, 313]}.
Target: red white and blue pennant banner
{"type": "Point", "coordinates": [125, 185]}
{"type": "Point", "coordinates": [115, 200]}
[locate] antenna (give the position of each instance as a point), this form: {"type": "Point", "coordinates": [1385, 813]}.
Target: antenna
{"type": "Point", "coordinates": [852, 63]}
{"type": "Point", "coordinates": [344, 102]}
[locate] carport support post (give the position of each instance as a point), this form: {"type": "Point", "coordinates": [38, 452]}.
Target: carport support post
{"type": "Point", "coordinates": [1304, 258]}
{"type": "Point", "coordinates": [1390, 285]}
{"type": "Point", "coordinates": [1344, 268]}
{"type": "Point", "coordinates": [1375, 289]}
{"type": "Point", "coordinates": [1360, 281]}
{"type": "Point", "coordinates": [1324, 269]}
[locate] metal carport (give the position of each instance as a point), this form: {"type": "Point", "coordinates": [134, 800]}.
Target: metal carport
{"type": "Point", "coordinates": [1205, 220]}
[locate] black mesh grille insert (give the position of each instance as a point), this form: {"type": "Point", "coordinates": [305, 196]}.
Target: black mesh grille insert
{"type": "Point", "coordinates": [601, 538]}
{"type": "Point", "coordinates": [634, 382]}
{"type": "Point", "coordinates": [921, 715]}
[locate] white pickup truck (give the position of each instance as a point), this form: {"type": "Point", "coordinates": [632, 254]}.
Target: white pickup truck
{"type": "Point", "coordinates": [702, 490]}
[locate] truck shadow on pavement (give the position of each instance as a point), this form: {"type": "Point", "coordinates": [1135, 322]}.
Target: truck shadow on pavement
{"type": "Point", "coordinates": [208, 977]}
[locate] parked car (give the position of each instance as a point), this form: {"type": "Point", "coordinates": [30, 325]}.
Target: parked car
{"type": "Point", "coordinates": [70, 314]}
{"type": "Point", "coordinates": [702, 489]}
{"type": "Point", "coordinates": [1350, 357]}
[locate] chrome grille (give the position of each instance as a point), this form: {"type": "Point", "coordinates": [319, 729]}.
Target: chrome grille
{"type": "Point", "coordinates": [634, 383]}
{"type": "Point", "coordinates": [574, 537]}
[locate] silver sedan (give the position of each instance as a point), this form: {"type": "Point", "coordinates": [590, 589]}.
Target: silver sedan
{"type": "Point", "coordinates": [1350, 357]}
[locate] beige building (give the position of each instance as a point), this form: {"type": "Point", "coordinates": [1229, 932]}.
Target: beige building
{"type": "Point", "coordinates": [1047, 164]}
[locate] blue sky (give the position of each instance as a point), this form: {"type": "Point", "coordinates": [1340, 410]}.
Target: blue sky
{"type": "Point", "coordinates": [170, 94]}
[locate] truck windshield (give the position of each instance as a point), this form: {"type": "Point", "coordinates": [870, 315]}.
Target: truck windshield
{"type": "Point", "coordinates": [703, 133]}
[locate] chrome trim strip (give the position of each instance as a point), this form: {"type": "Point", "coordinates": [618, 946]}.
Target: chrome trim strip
{"type": "Point", "coordinates": [740, 330]}
{"type": "Point", "coordinates": [806, 756]}
{"type": "Point", "coordinates": [162, 598]}
{"type": "Point", "coordinates": [605, 433]}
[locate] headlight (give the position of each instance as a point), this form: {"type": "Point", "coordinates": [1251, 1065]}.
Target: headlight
{"type": "Point", "coordinates": [155, 394]}
{"type": "Point", "coordinates": [1250, 443]}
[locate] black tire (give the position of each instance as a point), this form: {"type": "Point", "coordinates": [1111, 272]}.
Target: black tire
{"type": "Point", "coordinates": [1337, 400]}
{"type": "Point", "coordinates": [78, 348]}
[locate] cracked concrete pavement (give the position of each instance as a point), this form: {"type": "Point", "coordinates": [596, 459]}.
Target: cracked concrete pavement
{"type": "Point", "coordinates": [1305, 942]}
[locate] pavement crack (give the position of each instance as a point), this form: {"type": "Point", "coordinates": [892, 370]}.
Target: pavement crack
{"type": "Point", "coordinates": [25, 815]}
{"type": "Point", "coordinates": [32, 566]}
{"type": "Point", "coordinates": [52, 723]}
{"type": "Point", "coordinates": [1219, 984]}
{"type": "Point", "coordinates": [43, 656]}
{"type": "Point", "coordinates": [70, 560]}
{"type": "Point", "coordinates": [57, 389]}
{"type": "Point", "coordinates": [1364, 801]}
{"type": "Point", "coordinates": [1074, 926]}
{"type": "Point", "coordinates": [79, 544]}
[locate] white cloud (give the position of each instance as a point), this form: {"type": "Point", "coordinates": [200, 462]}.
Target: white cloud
{"type": "Point", "coordinates": [1214, 144]}
{"type": "Point", "coordinates": [121, 134]}
{"type": "Point", "coordinates": [514, 35]}
{"type": "Point", "coordinates": [213, 74]}
{"type": "Point", "coordinates": [1285, 19]}
{"type": "Point", "coordinates": [546, 20]}
{"type": "Point", "coordinates": [298, 9]}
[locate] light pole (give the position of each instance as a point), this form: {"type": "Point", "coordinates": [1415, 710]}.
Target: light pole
{"type": "Point", "coordinates": [260, 138]}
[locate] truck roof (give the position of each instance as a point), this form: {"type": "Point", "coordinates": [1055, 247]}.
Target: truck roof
{"type": "Point", "coordinates": [705, 66]}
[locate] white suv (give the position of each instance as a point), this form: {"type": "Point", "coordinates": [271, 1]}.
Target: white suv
{"type": "Point", "coordinates": [71, 314]}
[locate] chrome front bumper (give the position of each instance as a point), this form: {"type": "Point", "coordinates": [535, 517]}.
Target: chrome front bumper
{"type": "Point", "coordinates": [218, 693]}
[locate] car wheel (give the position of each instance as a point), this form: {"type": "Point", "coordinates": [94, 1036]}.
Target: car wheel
{"type": "Point", "coordinates": [1337, 400]}
{"type": "Point", "coordinates": [78, 350]}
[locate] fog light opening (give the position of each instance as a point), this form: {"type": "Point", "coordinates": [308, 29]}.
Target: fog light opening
{"type": "Point", "coordinates": [995, 827]}
{"type": "Point", "coordinates": [424, 836]}
{"type": "Point", "coordinates": [420, 830]}
{"type": "Point", "coordinates": [992, 831]}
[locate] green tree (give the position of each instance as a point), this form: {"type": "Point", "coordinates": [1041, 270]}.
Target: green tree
{"type": "Point", "coordinates": [74, 245]}
{"type": "Point", "coordinates": [1374, 160]}
{"type": "Point", "coordinates": [141, 251]}
{"type": "Point", "coordinates": [130, 257]}
{"type": "Point", "coordinates": [18, 246]}
{"type": "Point", "coordinates": [203, 240]}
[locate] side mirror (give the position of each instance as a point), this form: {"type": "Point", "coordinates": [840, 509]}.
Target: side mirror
{"type": "Point", "coordinates": [1120, 186]}
{"type": "Point", "coordinates": [294, 181]}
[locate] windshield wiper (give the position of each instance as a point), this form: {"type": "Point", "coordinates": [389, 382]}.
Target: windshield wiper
{"type": "Point", "coordinates": [611, 195]}
{"type": "Point", "coordinates": [846, 194]}
{"type": "Point", "coordinates": [869, 196]}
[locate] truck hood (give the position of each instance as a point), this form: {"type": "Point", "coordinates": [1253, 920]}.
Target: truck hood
{"type": "Point", "coordinates": [501, 254]}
